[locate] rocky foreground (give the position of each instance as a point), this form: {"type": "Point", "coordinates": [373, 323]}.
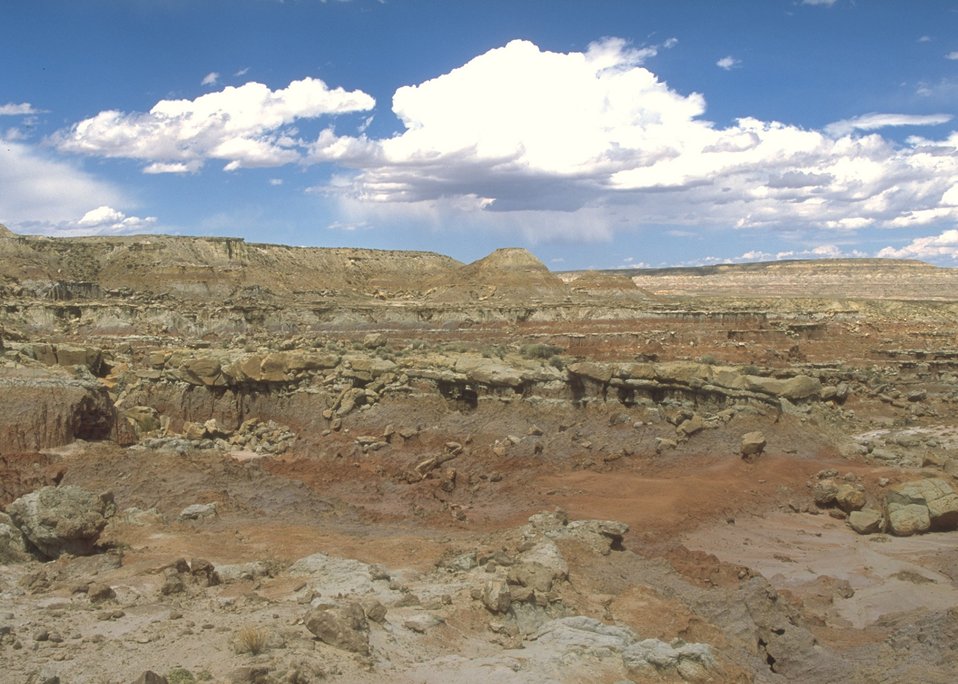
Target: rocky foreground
{"type": "Point", "coordinates": [250, 463]}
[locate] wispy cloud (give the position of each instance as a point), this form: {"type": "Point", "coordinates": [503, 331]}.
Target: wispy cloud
{"type": "Point", "coordinates": [826, 251]}
{"type": "Point", "coordinates": [40, 188]}
{"type": "Point", "coordinates": [875, 121]}
{"type": "Point", "coordinates": [211, 79]}
{"type": "Point", "coordinates": [825, 3]}
{"type": "Point", "coordinates": [728, 63]}
{"type": "Point", "coordinates": [348, 226]}
{"type": "Point", "coordinates": [952, 55]}
{"type": "Point", "coordinates": [21, 109]}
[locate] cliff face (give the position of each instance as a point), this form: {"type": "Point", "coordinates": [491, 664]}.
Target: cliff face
{"type": "Point", "coordinates": [202, 268]}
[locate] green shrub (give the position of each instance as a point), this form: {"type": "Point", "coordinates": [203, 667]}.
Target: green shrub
{"type": "Point", "coordinates": [180, 675]}
{"type": "Point", "coordinates": [539, 351]}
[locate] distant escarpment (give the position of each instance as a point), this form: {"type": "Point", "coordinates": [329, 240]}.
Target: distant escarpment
{"type": "Point", "coordinates": [196, 285]}
{"type": "Point", "coordinates": [871, 279]}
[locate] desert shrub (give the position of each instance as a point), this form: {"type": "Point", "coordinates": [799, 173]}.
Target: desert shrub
{"type": "Point", "coordinates": [252, 640]}
{"type": "Point", "coordinates": [539, 351]}
{"type": "Point", "coordinates": [180, 675]}
{"type": "Point", "coordinates": [709, 360]}
{"type": "Point", "coordinates": [557, 362]}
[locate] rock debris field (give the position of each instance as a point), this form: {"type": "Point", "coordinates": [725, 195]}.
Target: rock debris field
{"type": "Point", "coordinates": [240, 463]}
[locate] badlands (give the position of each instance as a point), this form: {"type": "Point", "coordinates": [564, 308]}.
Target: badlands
{"type": "Point", "coordinates": [244, 463]}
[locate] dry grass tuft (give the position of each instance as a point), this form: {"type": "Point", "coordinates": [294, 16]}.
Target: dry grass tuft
{"type": "Point", "coordinates": [252, 640]}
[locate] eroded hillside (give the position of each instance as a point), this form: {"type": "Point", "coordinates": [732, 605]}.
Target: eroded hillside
{"type": "Point", "coordinates": [255, 463]}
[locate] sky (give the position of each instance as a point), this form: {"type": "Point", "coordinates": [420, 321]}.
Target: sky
{"type": "Point", "coordinates": [597, 134]}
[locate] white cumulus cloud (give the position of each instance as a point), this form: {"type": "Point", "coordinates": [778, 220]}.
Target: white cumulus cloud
{"type": "Point", "coordinates": [599, 137]}
{"type": "Point", "coordinates": [931, 247]}
{"type": "Point", "coordinates": [245, 126]}
{"type": "Point", "coordinates": [103, 220]}
{"type": "Point", "coordinates": [521, 128]}
{"type": "Point", "coordinates": [553, 145]}
{"type": "Point", "coordinates": [108, 219]}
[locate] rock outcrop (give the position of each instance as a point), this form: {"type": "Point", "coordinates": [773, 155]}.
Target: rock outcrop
{"type": "Point", "coordinates": [48, 407]}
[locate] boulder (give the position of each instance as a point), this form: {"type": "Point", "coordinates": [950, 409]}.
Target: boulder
{"type": "Point", "coordinates": [352, 397]}
{"type": "Point", "coordinates": [143, 419]}
{"type": "Point", "coordinates": [367, 368]}
{"type": "Point", "coordinates": [496, 596]}
{"type": "Point", "coordinates": [150, 677]}
{"type": "Point", "coordinates": [374, 610]}
{"type": "Point", "coordinates": [753, 444]}
{"type": "Point", "coordinates": [336, 576]}
{"type": "Point", "coordinates": [908, 519]}
{"type": "Point", "coordinates": [849, 498]}
{"type": "Point", "coordinates": [421, 622]}
{"type": "Point", "coordinates": [664, 444]}
{"type": "Point", "coordinates": [865, 521]}
{"type": "Point", "coordinates": [825, 493]}
{"type": "Point", "coordinates": [342, 627]}
{"type": "Point", "coordinates": [198, 511]}
{"type": "Point", "coordinates": [532, 575]}
{"type": "Point", "coordinates": [13, 548]}
{"type": "Point", "coordinates": [546, 554]}
{"type": "Point", "coordinates": [204, 370]}
{"type": "Point", "coordinates": [935, 494]}
{"type": "Point", "coordinates": [691, 662]}
{"type": "Point", "coordinates": [579, 638]}
{"type": "Point", "coordinates": [583, 635]}
{"type": "Point", "coordinates": [58, 520]}
{"type": "Point", "coordinates": [194, 431]}
{"type": "Point", "coordinates": [795, 388]}
{"type": "Point", "coordinates": [692, 426]}
{"type": "Point", "coordinates": [603, 536]}
{"type": "Point", "coordinates": [375, 340]}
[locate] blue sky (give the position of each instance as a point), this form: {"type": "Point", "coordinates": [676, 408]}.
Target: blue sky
{"type": "Point", "coordinates": [597, 134]}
